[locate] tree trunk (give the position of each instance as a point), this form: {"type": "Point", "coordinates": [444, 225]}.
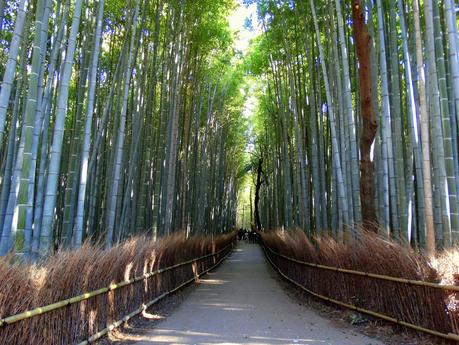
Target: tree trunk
{"type": "Point", "coordinates": [425, 136]}
{"type": "Point", "coordinates": [257, 193]}
{"type": "Point", "coordinates": [369, 123]}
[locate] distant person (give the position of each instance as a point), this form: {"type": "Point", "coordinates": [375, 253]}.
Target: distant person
{"type": "Point", "coordinates": [240, 234]}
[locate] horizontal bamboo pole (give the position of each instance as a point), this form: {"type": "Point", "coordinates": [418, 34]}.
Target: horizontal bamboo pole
{"type": "Point", "coordinates": [61, 304]}
{"type": "Point", "coordinates": [449, 336]}
{"type": "Point", "coordinates": [143, 307]}
{"type": "Point", "coordinates": [366, 274]}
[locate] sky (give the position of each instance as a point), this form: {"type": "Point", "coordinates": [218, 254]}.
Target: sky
{"type": "Point", "coordinates": [237, 20]}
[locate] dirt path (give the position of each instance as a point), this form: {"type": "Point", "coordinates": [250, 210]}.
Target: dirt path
{"type": "Point", "coordinates": [242, 303]}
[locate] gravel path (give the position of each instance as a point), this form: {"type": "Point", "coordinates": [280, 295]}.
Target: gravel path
{"type": "Point", "coordinates": [242, 303]}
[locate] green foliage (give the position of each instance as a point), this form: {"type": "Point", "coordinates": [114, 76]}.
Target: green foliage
{"type": "Point", "coordinates": [257, 58]}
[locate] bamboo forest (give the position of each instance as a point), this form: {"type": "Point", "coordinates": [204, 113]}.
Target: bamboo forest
{"type": "Point", "coordinates": [143, 142]}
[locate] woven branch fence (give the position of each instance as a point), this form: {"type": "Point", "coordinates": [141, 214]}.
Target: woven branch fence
{"type": "Point", "coordinates": [373, 275]}
{"type": "Point", "coordinates": [78, 296]}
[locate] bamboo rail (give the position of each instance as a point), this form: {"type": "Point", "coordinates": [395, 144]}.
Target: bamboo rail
{"type": "Point", "coordinates": [69, 301]}
{"type": "Point", "coordinates": [448, 336]}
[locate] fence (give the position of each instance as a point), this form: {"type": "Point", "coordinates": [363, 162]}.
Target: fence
{"type": "Point", "coordinates": [369, 294]}
{"type": "Point", "coordinates": [81, 319]}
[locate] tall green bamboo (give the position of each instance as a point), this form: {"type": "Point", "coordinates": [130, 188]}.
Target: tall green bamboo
{"type": "Point", "coordinates": [46, 239]}
{"type": "Point", "coordinates": [10, 68]}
